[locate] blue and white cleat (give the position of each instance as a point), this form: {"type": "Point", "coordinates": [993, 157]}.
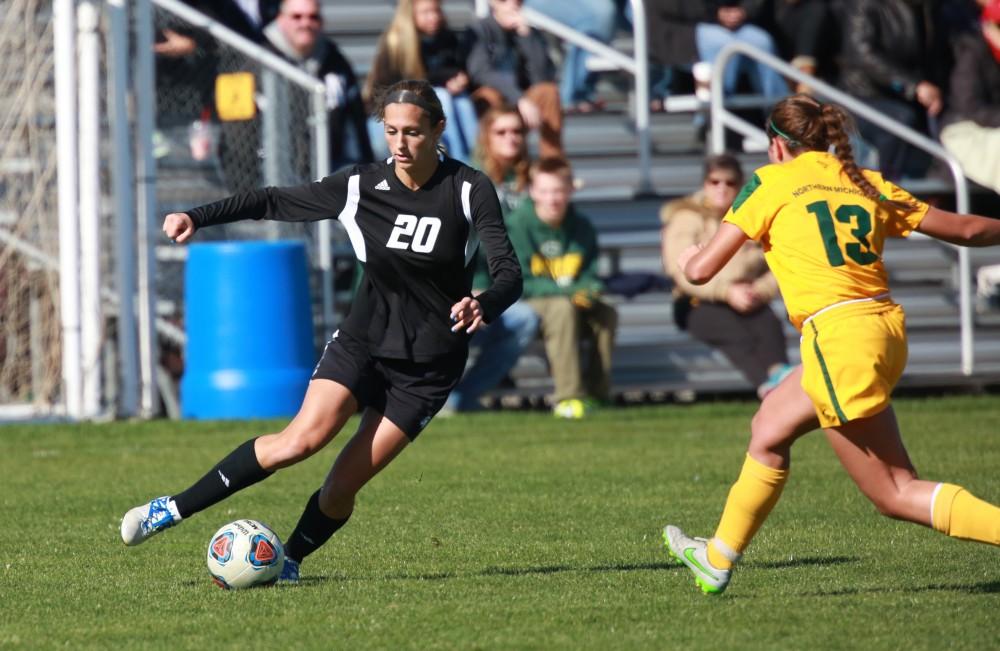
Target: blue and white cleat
{"type": "Point", "coordinates": [692, 552]}
{"type": "Point", "coordinates": [289, 572]}
{"type": "Point", "coordinates": [147, 520]}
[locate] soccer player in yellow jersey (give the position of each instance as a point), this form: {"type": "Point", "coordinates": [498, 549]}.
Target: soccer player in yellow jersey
{"type": "Point", "coordinates": [822, 222]}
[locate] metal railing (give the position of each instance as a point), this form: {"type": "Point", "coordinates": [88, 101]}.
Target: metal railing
{"type": "Point", "coordinates": [274, 129]}
{"type": "Point", "coordinates": [722, 118]}
{"type": "Point", "coordinates": [636, 65]}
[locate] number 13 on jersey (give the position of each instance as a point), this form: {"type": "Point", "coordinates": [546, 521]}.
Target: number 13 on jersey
{"type": "Point", "coordinates": [852, 214]}
{"type": "Point", "coordinates": [416, 234]}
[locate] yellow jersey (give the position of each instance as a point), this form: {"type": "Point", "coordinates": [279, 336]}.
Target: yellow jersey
{"type": "Point", "coordinates": [822, 237]}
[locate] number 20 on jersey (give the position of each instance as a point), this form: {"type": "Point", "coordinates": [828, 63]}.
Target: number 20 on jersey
{"type": "Point", "coordinates": [417, 234]}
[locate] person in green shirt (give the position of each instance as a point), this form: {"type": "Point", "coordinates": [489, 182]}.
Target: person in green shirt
{"type": "Point", "coordinates": [557, 248]}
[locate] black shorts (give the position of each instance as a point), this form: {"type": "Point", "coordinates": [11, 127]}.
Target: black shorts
{"type": "Point", "coordinates": [408, 393]}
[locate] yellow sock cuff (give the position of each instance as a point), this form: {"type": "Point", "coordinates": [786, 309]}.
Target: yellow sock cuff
{"type": "Point", "coordinates": [941, 502]}
{"type": "Point", "coordinates": [767, 474]}
{"type": "Point", "coordinates": [960, 514]}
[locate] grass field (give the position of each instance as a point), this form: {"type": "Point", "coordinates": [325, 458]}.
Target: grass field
{"type": "Point", "coordinates": [498, 531]}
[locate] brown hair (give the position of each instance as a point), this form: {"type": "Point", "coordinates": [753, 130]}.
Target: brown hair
{"type": "Point", "coordinates": [806, 124]}
{"type": "Point", "coordinates": [494, 168]}
{"type": "Point", "coordinates": [409, 91]}
{"type": "Point", "coordinates": [552, 165]}
{"type": "Point", "coordinates": [724, 161]}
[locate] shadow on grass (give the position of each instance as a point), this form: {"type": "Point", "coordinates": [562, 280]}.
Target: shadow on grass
{"type": "Point", "coordinates": [988, 587]}
{"type": "Point", "coordinates": [804, 561]}
{"type": "Point", "coordinates": [541, 569]}
{"type": "Point", "coordinates": [306, 581]}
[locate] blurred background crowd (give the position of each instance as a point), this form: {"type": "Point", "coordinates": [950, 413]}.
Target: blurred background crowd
{"type": "Point", "coordinates": [507, 90]}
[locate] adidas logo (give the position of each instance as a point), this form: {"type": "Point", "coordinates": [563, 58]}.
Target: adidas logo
{"type": "Point", "coordinates": [383, 186]}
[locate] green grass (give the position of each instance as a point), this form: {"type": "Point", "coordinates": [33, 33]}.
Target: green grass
{"type": "Point", "coordinates": [498, 531]}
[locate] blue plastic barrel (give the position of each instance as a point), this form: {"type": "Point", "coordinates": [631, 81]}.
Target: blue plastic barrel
{"type": "Point", "coordinates": [249, 334]}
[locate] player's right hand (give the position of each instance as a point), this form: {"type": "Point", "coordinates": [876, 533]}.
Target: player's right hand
{"type": "Point", "coordinates": [685, 257]}
{"type": "Point", "coordinates": [179, 227]}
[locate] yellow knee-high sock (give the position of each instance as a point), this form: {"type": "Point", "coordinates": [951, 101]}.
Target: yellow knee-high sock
{"type": "Point", "coordinates": [959, 514]}
{"type": "Point", "coordinates": [750, 501]}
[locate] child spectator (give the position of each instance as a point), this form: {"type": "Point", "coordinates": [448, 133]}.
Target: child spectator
{"type": "Point", "coordinates": [557, 248]}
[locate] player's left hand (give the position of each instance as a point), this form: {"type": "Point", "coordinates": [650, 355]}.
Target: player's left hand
{"type": "Point", "coordinates": [466, 315]}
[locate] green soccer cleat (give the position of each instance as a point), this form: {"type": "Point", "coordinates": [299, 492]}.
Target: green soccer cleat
{"type": "Point", "coordinates": [693, 552]}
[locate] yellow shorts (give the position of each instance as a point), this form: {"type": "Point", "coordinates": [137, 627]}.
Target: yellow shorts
{"type": "Point", "coordinates": [852, 358]}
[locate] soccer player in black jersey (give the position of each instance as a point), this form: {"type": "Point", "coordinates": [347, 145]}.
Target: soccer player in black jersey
{"type": "Point", "coordinates": [415, 222]}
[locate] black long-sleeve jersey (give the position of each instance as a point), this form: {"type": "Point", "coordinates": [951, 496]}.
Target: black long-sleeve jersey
{"type": "Point", "coordinates": [417, 247]}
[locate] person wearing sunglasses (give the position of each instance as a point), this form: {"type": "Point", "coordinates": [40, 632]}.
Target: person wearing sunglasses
{"type": "Point", "coordinates": [731, 313]}
{"type": "Point", "coordinates": [296, 35]}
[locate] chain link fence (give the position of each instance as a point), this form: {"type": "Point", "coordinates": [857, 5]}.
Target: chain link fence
{"type": "Point", "coordinates": [224, 124]}
{"type": "Point", "coordinates": [30, 365]}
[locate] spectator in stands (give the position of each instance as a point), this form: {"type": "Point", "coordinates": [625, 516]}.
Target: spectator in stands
{"type": "Point", "coordinates": [296, 34]}
{"type": "Point", "coordinates": [502, 155]}
{"type": "Point", "coordinates": [739, 20]}
{"type": "Point", "coordinates": [684, 32]}
{"type": "Point", "coordinates": [731, 312]}
{"type": "Point", "coordinates": [594, 18]}
{"type": "Point", "coordinates": [557, 247]}
{"type": "Point", "coordinates": [509, 64]}
{"type": "Point", "coordinates": [419, 45]}
{"type": "Point", "coordinates": [893, 58]}
{"type": "Point", "coordinates": [972, 122]}
{"type": "Point", "coordinates": [802, 32]}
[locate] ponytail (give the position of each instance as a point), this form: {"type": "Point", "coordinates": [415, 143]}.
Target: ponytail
{"type": "Point", "coordinates": [806, 124]}
{"type": "Point", "coordinates": [837, 125]}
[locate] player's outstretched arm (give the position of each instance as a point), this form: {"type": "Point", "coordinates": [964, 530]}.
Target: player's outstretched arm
{"type": "Point", "coordinates": [179, 227]}
{"type": "Point", "coordinates": [956, 228]}
{"type": "Point", "coordinates": [699, 263]}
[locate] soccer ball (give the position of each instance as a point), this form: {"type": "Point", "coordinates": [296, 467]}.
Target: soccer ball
{"type": "Point", "coordinates": [244, 554]}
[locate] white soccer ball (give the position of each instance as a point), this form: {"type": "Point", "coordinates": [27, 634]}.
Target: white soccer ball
{"type": "Point", "coordinates": [244, 554]}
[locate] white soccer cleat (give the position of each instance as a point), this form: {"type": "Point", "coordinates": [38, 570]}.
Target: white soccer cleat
{"type": "Point", "coordinates": [693, 552]}
{"type": "Point", "coordinates": [146, 520]}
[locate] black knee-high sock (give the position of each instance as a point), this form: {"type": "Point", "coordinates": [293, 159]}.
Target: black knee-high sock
{"type": "Point", "coordinates": [314, 529]}
{"type": "Point", "coordinates": [234, 473]}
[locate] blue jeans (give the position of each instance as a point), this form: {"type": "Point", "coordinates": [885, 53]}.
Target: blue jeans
{"type": "Point", "coordinates": [376, 134]}
{"type": "Point", "coordinates": [595, 18]}
{"type": "Point", "coordinates": [461, 124]}
{"type": "Point", "coordinates": [500, 344]}
{"type": "Point", "coordinates": [711, 38]}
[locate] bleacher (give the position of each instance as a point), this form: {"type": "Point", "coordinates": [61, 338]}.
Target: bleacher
{"type": "Point", "coordinates": [653, 359]}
